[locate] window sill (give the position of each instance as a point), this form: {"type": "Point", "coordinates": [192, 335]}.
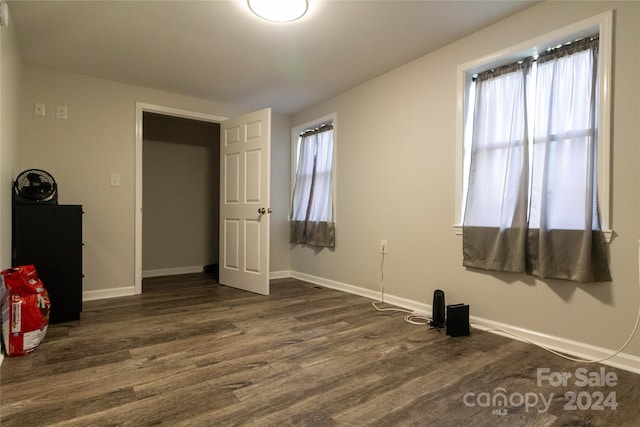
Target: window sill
{"type": "Point", "coordinates": [608, 234]}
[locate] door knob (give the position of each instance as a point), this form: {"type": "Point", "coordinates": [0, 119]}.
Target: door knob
{"type": "Point", "coordinates": [261, 210]}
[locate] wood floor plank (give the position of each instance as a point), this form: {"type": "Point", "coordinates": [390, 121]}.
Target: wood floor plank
{"type": "Point", "coordinates": [191, 352]}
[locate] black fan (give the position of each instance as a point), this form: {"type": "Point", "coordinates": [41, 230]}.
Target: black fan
{"type": "Point", "coordinates": [35, 186]}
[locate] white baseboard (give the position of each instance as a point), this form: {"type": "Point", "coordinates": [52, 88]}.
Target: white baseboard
{"type": "Point", "coordinates": [284, 274]}
{"type": "Point", "coordinates": [197, 269]}
{"type": "Point", "coordinates": [415, 306]}
{"type": "Point", "coordinates": [172, 271]}
{"type": "Point", "coordinates": [577, 349]}
{"type": "Point", "coordinates": [130, 290]}
{"type": "Point", "coordinates": [572, 348]}
{"type": "Point", "coordinates": [108, 293]}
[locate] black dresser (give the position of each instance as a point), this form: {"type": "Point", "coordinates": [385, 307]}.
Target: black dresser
{"type": "Point", "coordinates": [50, 237]}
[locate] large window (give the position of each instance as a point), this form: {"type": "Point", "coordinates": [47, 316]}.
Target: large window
{"type": "Point", "coordinates": [312, 219]}
{"type": "Point", "coordinates": [535, 145]}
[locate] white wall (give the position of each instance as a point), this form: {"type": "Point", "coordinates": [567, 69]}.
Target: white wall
{"type": "Point", "coordinates": [98, 139]}
{"type": "Point", "coordinates": [82, 152]}
{"type": "Point", "coordinates": [396, 153]}
{"type": "Point", "coordinates": [10, 86]}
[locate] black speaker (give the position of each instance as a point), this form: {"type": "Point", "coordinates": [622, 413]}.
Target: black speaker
{"type": "Point", "coordinates": [437, 316]}
{"type": "Point", "coordinates": [458, 320]}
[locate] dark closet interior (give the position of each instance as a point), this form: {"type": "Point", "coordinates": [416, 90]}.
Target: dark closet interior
{"type": "Point", "coordinates": [181, 185]}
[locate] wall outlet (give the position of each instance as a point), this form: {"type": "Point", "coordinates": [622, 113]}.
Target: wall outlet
{"type": "Point", "coordinates": [4, 19]}
{"type": "Point", "coordinates": [384, 248]}
{"type": "Point", "coordinates": [39, 109]}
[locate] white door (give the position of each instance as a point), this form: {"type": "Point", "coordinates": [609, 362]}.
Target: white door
{"type": "Point", "coordinates": [245, 158]}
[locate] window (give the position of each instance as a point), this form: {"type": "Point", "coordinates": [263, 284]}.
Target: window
{"type": "Point", "coordinates": [312, 219]}
{"type": "Point", "coordinates": [532, 155]}
{"type": "Point", "coordinates": [600, 24]}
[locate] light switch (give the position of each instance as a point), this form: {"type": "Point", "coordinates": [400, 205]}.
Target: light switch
{"type": "Point", "coordinates": [115, 180]}
{"type": "Point", "coordinates": [61, 112]}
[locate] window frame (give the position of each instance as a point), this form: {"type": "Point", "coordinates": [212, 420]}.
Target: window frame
{"type": "Point", "coordinates": [602, 24]}
{"type": "Point", "coordinates": [295, 143]}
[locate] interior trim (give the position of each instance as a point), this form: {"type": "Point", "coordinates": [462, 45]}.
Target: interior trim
{"type": "Point", "coordinates": [142, 107]}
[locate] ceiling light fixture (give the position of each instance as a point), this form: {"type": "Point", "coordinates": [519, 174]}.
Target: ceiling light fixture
{"type": "Point", "coordinates": [279, 10]}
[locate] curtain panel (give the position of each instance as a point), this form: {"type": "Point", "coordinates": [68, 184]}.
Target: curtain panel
{"type": "Point", "coordinates": [495, 222]}
{"type": "Point", "coordinates": [532, 195]}
{"type": "Point", "coordinates": [311, 219]}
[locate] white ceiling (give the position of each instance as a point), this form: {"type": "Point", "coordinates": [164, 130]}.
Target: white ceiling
{"type": "Point", "coordinates": [217, 50]}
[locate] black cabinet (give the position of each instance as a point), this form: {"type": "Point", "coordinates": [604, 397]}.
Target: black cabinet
{"type": "Point", "coordinates": [50, 237]}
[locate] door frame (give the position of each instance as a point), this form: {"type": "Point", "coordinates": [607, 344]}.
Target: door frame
{"type": "Point", "coordinates": [141, 108]}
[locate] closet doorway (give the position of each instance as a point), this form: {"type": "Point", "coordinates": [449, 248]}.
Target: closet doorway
{"type": "Point", "coordinates": [179, 162]}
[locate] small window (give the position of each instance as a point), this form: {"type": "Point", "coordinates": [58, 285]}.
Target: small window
{"type": "Point", "coordinates": [312, 219]}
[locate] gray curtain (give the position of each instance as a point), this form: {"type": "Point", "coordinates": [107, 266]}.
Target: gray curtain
{"type": "Point", "coordinates": [495, 222]}
{"type": "Point", "coordinates": [311, 219]}
{"type": "Point", "coordinates": [316, 233]}
{"type": "Point", "coordinates": [533, 208]}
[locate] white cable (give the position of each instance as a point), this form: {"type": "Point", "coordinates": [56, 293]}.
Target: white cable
{"type": "Point", "coordinates": [413, 318]}
{"type": "Point", "coordinates": [575, 359]}
{"type": "Point", "coordinates": [418, 319]}
{"type": "Point", "coordinates": [424, 320]}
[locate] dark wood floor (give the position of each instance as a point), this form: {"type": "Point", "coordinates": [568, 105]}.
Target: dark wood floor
{"type": "Point", "coordinates": [191, 352]}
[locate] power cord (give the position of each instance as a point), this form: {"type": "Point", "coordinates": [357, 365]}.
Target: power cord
{"type": "Point", "coordinates": [419, 319]}
{"type": "Point", "coordinates": [413, 318]}
{"type": "Point", "coordinates": [576, 359]}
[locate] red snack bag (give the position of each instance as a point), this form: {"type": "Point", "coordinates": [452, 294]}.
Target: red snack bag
{"type": "Point", "coordinates": [25, 310]}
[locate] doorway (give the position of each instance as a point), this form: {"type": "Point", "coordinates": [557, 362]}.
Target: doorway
{"type": "Point", "coordinates": [167, 124]}
{"type": "Point", "coordinates": [181, 194]}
